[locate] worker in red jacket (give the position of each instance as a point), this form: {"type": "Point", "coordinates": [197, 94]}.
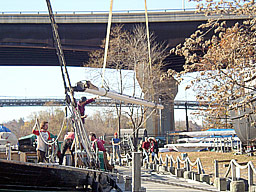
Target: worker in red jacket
{"type": "Point", "coordinates": [97, 143]}
{"type": "Point", "coordinates": [68, 141]}
{"type": "Point", "coordinates": [146, 146]}
{"type": "Point", "coordinates": [42, 137]}
{"type": "Point", "coordinates": [81, 106]}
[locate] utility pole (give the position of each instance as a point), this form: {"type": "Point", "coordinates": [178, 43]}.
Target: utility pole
{"type": "Point", "coordinates": [186, 109]}
{"type": "Point", "coordinates": [183, 5]}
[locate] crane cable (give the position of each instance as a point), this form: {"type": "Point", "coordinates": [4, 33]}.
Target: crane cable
{"type": "Point", "coordinates": [108, 35]}
{"type": "Point", "coordinates": [107, 41]}
{"type": "Point", "coordinates": [148, 38]}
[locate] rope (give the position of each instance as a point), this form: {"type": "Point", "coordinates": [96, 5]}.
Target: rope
{"type": "Point", "coordinates": [60, 53]}
{"type": "Point", "coordinates": [148, 38]}
{"type": "Point", "coordinates": [49, 143]}
{"type": "Point", "coordinates": [107, 41]}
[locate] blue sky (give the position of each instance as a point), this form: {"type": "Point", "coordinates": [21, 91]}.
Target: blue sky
{"type": "Point", "coordinates": [28, 82]}
{"type": "Point", "coordinates": [91, 5]}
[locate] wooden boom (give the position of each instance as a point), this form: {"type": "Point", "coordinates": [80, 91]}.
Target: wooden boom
{"type": "Point", "coordinates": [90, 88]}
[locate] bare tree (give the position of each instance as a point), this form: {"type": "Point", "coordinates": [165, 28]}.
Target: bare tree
{"type": "Point", "coordinates": [225, 56]}
{"type": "Point", "coordinates": [129, 50]}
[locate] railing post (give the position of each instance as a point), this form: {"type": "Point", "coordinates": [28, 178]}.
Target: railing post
{"type": "Point", "coordinates": [178, 163]}
{"type": "Point", "coordinates": [231, 140]}
{"type": "Point", "coordinates": [241, 148]}
{"type": "Point", "coordinates": [187, 165]}
{"type": "Point", "coordinates": [166, 160]}
{"type": "Point", "coordinates": [233, 171]}
{"type": "Point", "coordinates": [238, 173]}
{"type": "Point", "coordinates": [250, 176]}
{"type": "Point", "coordinates": [199, 168]}
{"type": "Point", "coordinates": [136, 171]}
{"type": "Point", "coordinates": [171, 162]}
{"type": "Point", "coordinates": [216, 168]}
{"type": "Point", "coordinates": [8, 151]}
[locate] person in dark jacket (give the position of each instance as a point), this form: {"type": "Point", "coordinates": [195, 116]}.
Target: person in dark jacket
{"type": "Point", "coordinates": [153, 147]}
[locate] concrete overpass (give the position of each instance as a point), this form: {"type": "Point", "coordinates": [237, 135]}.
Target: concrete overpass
{"type": "Point", "coordinates": [26, 38]}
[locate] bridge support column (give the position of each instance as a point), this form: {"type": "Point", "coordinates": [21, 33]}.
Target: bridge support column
{"type": "Point", "coordinates": [164, 90]}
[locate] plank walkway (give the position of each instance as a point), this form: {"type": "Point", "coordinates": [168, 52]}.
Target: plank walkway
{"type": "Point", "coordinates": [153, 181]}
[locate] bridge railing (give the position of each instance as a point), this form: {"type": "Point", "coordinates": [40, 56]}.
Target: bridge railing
{"type": "Point", "coordinates": [178, 104]}
{"type": "Point", "coordinates": [95, 12]}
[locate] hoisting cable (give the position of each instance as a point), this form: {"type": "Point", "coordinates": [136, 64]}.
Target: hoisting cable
{"type": "Point", "coordinates": [107, 41]}
{"type": "Point", "coordinates": [148, 38]}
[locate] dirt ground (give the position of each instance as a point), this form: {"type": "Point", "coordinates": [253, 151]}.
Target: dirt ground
{"type": "Point", "coordinates": [207, 159]}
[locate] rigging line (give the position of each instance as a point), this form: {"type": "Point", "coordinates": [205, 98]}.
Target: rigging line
{"type": "Point", "coordinates": [60, 51]}
{"type": "Point", "coordinates": [148, 38]}
{"type": "Point", "coordinates": [77, 123]}
{"type": "Point", "coordinates": [107, 41]}
{"type": "Point", "coordinates": [55, 141]}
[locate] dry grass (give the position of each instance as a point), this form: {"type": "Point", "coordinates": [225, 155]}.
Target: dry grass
{"type": "Point", "coordinates": [207, 159]}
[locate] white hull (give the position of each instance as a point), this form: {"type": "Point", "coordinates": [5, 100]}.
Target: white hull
{"type": "Point", "coordinates": [188, 147]}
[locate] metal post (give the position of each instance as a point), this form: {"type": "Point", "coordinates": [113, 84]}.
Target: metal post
{"type": "Point", "coordinates": [187, 165]}
{"type": "Point", "coordinates": [136, 171]}
{"type": "Point", "coordinates": [250, 176]}
{"type": "Point", "coordinates": [241, 148]}
{"type": "Point", "coordinates": [187, 123]}
{"type": "Point", "coordinates": [171, 162]}
{"type": "Point", "coordinates": [232, 143]}
{"type": "Point", "coordinates": [183, 5]}
{"type": "Point", "coordinates": [166, 161]}
{"type": "Point", "coordinates": [8, 151]}
{"type": "Point", "coordinates": [199, 168]}
{"type": "Point", "coordinates": [238, 173]}
{"type": "Point", "coordinates": [233, 171]}
{"type": "Point", "coordinates": [76, 142]}
{"type": "Point", "coordinates": [216, 168]}
{"type": "Point", "coordinates": [178, 164]}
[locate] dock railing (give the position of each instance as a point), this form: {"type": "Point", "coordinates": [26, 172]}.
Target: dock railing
{"type": "Point", "coordinates": [234, 170]}
{"type": "Point", "coordinates": [170, 163]}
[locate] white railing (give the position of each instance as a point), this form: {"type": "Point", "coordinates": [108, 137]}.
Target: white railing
{"type": "Point", "coordinates": [234, 168]}
{"type": "Point", "coordinates": [170, 162]}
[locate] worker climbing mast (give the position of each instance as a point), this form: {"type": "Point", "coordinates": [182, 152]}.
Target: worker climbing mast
{"type": "Point", "coordinates": [81, 138]}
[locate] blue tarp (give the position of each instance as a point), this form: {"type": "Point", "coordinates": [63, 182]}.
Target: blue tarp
{"type": "Point", "coordinates": [220, 130]}
{"type": "Point", "coordinates": [4, 129]}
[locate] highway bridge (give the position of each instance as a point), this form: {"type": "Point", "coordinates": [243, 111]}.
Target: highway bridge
{"type": "Point", "coordinates": [26, 37]}
{"type": "Point", "coordinates": [178, 104]}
